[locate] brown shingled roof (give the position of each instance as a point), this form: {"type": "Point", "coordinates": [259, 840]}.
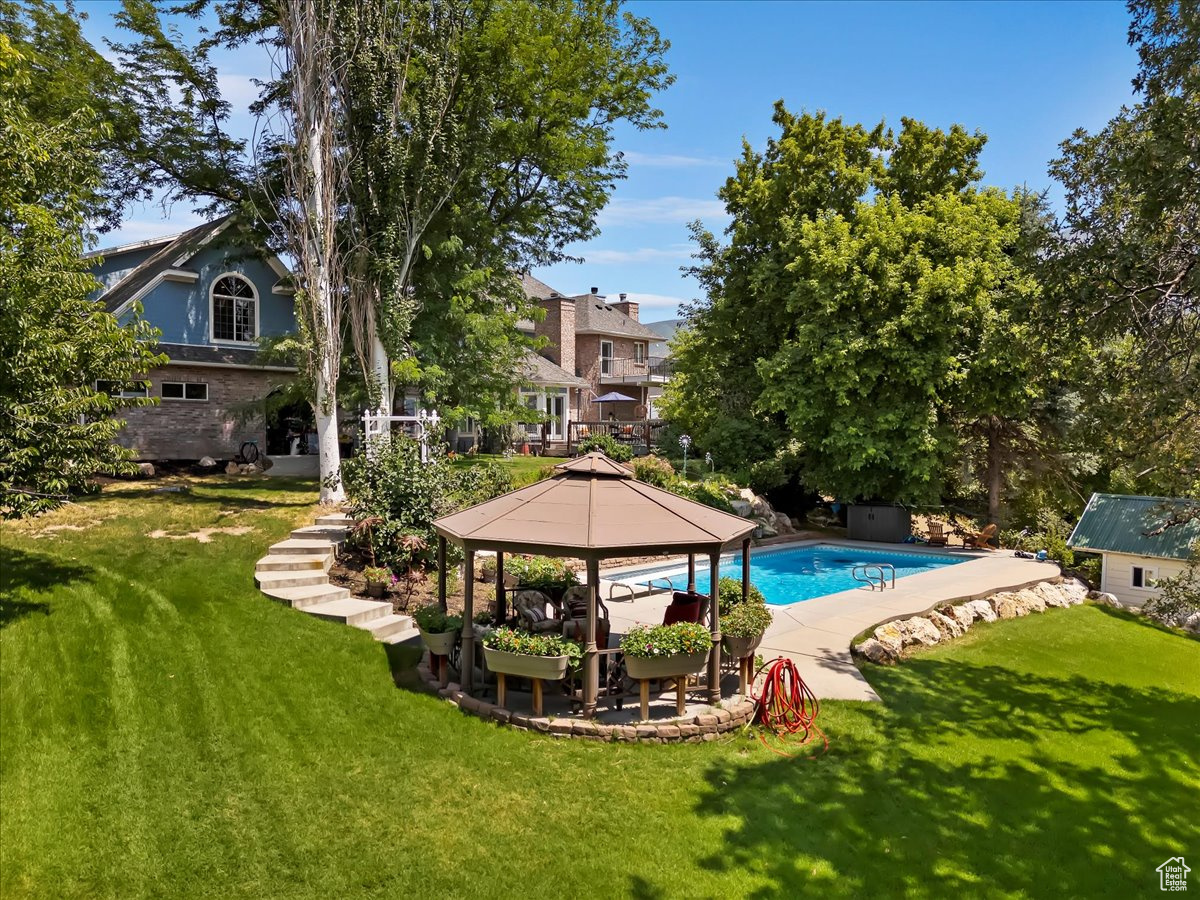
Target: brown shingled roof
{"type": "Point", "coordinates": [593, 508]}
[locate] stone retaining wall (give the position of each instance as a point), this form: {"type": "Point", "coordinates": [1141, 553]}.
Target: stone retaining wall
{"type": "Point", "coordinates": [888, 642]}
{"type": "Point", "coordinates": [692, 730]}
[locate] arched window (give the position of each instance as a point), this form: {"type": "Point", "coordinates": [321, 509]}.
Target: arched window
{"type": "Point", "coordinates": [234, 309]}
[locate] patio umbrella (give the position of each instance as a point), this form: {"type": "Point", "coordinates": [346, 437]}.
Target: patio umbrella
{"type": "Point", "coordinates": [614, 397]}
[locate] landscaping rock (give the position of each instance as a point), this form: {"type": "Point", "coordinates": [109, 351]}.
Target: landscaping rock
{"type": "Point", "coordinates": [1031, 601]}
{"type": "Point", "coordinates": [1005, 605]}
{"type": "Point", "coordinates": [946, 626]}
{"type": "Point", "coordinates": [1106, 599]}
{"type": "Point", "coordinates": [1074, 591]}
{"type": "Point", "coordinates": [918, 630]}
{"type": "Point", "coordinates": [146, 469]}
{"type": "Point", "coordinates": [741, 507]}
{"type": "Point", "coordinates": [783, 524]}
{"type": "Point", "coordinates": [232, 468]}
{"type": "Point", "coordinates": [207, 462]}
{"type": "Point", "coordinates": [766, 527]}
{"type": "Point", "coordinates": [962, 614]}
{"type": "Point", "coordinates": [561, 726]}
{"type": "Point", "coordinates": [982, 609]}
{"type": "Point", "coordinates": [891, 635]}
{"type": "Point", "coordinates": [877, 652]}
{"type": "Point", "coordinates": [1053, 595]}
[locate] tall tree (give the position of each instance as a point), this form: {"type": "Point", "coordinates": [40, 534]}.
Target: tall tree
{"type": "Point", "coordinates": [63, 358]}
{"type": "Point", "coordinates": [1125, 263]}
{"type": "Point", "coordinates": [868, 314]}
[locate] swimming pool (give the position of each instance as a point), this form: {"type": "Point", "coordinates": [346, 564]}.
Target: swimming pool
{"type": "Point", "coordinates": [791, 574]}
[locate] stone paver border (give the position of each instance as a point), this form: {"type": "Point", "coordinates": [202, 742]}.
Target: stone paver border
{"type": "Point", "coordinates": [692, 730]}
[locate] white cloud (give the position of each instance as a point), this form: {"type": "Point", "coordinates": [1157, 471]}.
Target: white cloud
{"type": "Point", "coordinates": [239, 91]}
{"type": "Point", "coordinates": [676, 253]}
{"type": "Point", "coordinates": [660, 210]}
{"type": "Point", "coordinates": [670, 160]}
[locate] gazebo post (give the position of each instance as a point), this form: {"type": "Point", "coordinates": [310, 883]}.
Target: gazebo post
{"type": "Point", "coordinates": [745, 570]}
{"type": "Point", "coordinates": [714, 611]}
{"type": "Point", "coordinates": [501, 610]}
{"type": "Point", "coordinates": [691, 585]}
{"type": "Point", "coordinates": [467, 657]}
{"type": "Point", "coordinates": [441, 564]}
{"type": "Point", "coordinates": [591, 657]}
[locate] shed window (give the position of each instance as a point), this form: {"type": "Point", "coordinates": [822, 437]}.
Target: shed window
{"type": "Point", "coordinates": [185, 390]}
{"type": "Point", "coordinates": [1142, 577]}
{"type": "Point", "coordinates": [234, 310]}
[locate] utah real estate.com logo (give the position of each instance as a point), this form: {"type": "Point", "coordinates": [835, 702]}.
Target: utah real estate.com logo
{"type": "Point", "coordinates": [1172, 875]}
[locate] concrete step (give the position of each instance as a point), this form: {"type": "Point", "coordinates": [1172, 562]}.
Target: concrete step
{"type": "Point", "coordinates": [295, 562]}
{"type": "Point", "coordinates": [301, 546]}
{"type": "Point", "coordinates": [340, 520]}
{"type": "Point", "coordinates": [386, 626]}
{"type": "Point", "coordinates": [268, 580]}
{"type": "Point", "coordinates": [331, 533]}
{"type": "Point", "coordinates": [350, 611]}
{"type": "Point", "coordinates": [402, 637]}
{"type": "Point", "coordinates": [309, 595]}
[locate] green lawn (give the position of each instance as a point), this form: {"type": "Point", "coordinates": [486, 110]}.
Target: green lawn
{"type": "Point", "coordinates": [167, 731]}
{"type": "Point", "coordinates": [523, 469]}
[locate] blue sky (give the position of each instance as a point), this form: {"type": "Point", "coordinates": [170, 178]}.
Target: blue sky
{"type": "Point", "coordinates": [1026, 74]}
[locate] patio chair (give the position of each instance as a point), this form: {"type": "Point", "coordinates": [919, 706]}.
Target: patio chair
{"type": "Point", "coordinates": [686, 607]}
{"type": "Point", "coordinates": [535, 612]}
{"type": "Point", "coordinates": [937, 533]}
{"type": "Point", "coordinates": [980, 539]}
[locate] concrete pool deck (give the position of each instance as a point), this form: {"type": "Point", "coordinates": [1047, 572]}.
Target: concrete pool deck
{"type": "Point", "coordinates": [816, 634]}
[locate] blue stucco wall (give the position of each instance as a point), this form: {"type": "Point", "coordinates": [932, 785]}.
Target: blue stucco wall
{"type": "Point", "coordinates": [181, 311]}
{"type": "Point", "coordinates": [112, 268]}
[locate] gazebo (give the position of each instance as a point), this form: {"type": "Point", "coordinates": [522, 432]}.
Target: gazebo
{"type": "Point", "coordinates": [592, 508]}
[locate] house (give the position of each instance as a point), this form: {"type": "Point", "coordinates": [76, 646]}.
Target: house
{"type": "Point", "coordinates": [594, 347]}
{"type": "Point", "coordinates": [212, 294]}
{"type": "Point", "coordinates": [1136, 549]}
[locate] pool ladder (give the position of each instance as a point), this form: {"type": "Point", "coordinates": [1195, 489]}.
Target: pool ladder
{"type": "Point", "coordinates": [874, 574]}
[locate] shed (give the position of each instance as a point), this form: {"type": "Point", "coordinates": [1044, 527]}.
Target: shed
{"type": "Point", "coordinates": [1141, 540]}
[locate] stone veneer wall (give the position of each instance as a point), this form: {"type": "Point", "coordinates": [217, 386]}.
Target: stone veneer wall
{"type": "Point", "coordinates": [190, 429]}
{"type": "Point", "coordinates": [692, 730]}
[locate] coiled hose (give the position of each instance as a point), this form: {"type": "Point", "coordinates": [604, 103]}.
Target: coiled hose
{"type": "Point", "coordinates": [787, 709]}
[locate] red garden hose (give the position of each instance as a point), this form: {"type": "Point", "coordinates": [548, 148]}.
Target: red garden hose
{"type": "Point", "coordinates": [787, 708]}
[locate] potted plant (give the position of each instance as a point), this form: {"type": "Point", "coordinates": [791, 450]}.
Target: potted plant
{"type": "Point", "coordinates": [542, 656]}
{"type": "Point", "coordinates": [439, 631]}
{"type": "Point", "coordinates": [743, 627]}
{"type": "Point", "coordinates": [541, 573]}
{"type": "Point", "coordinates": [665, 651]}
{"type": "Point", "coordinates": [378, 579]}
{"type": "Point", "coordinates": [730, 594]}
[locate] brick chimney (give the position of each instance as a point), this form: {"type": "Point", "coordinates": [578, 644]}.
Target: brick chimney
{"type": "Point", "coordinates": [559, 327]}
{"type": "Point", "coordinates": [629, 307]}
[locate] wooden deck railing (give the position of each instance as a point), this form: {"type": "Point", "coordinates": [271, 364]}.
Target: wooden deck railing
{"type": "Point", "coordinates": [641, 434]}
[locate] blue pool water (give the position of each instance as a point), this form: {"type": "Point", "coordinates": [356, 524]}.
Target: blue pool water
{"type": "Point", "coordinates": [789, 575]}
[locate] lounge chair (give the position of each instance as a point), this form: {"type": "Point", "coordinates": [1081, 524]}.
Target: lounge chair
{"type": "Point", "coordinates": [536, 612]}
{"type": "Point", "coordinates": [937, 533]}
{"type": "Point", "coordinates": [686, 607]}
{"type": "Point", "coordinates": [980, 539]}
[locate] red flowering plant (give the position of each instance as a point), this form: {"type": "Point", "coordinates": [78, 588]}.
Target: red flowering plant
{"type": "Point", "coordinates": [680, 639]}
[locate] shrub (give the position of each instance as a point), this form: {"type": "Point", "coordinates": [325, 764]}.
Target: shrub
{"type": "Point", "coordinates": [608, 445]}
{"type": "Point", "coordinates": [400, 495]}
{"type": "Point", "coordinates": [378, 574]}
{"type": "Point", "coordinates": [1178, 600]}
{"type": "Point", "coordinates": [511, 640]}
{"type": "Point", "coordinates": [543, 573]}
{"type": "Point", "coordinates": [710, 493]}
{"type": "Point", "coordinates": [729, 594]}
{"type": "Point", "coordinates": [1050, 534]}
{"type": "Point", "coordinates": [432, 619]}
{"type": "Point", "coordinates": [654, 470]}
{"type": "Point", "coordinates": [746, 620]}
{"type": "Point", "coordinates": [646, 641]}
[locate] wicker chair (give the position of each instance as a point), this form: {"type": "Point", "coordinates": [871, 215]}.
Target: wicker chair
{"type": "Point", "coordinates": [536, 612]}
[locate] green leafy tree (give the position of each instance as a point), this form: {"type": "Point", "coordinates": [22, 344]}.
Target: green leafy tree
{"type": "Point", "coordinates": [57, 428]}
{"type": "Point", "coordinates": [869, 314]}
{"type": "Point", "coordinates": [1125, 265]}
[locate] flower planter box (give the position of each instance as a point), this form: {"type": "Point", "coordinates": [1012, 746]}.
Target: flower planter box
{"type": "Point", "coordinates": [376, 589]}
{"type": "Point", "coordinates": [440, 644]}
{"type": "Point", "coordinates": [545, 668]}
{"type": "Point", "coordinates": [741, 647]}
{"type": "Point", "coordinates": [665, 666]}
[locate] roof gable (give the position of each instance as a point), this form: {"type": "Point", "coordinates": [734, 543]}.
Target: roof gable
{"type": "Point", "coordinates": [1117, 523]}
{"type": "Point", "coordinates": [594, 316]}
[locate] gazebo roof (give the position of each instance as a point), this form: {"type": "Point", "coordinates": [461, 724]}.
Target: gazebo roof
{"type": "Point", "coordinates": [592, 507]}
